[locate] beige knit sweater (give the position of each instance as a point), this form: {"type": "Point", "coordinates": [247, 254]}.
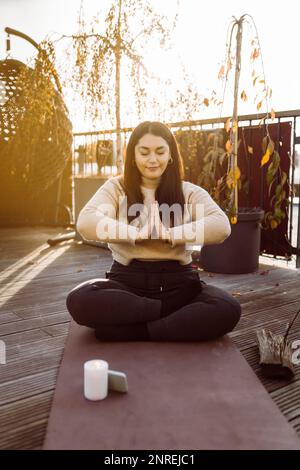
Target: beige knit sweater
{"type": "Point", "coordinates": [103, 218]}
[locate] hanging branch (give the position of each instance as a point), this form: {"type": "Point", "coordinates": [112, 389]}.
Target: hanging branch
{"type": "Point", "coordinates": [41, 51]}
{"type": "Point", "coordinates": [101, 57]}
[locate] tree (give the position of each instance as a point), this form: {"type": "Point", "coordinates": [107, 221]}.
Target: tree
{"type": "Point", "coordinates": [225, 188]}
{"type": "Point", "coordinates": [100, 57]}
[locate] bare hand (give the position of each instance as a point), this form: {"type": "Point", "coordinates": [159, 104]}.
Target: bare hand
{"type": "Point", "coordinates": [144, 233]}
{"type": "Point", "coordinates": [154, 222]}
{"type": "Point", "coordinates": [161, 230]}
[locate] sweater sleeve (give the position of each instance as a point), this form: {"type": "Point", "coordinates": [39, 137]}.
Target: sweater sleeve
{"type": "Point", "coordinates": [97, 220]}
{"type": "Point", "coordinates": [209, 225]}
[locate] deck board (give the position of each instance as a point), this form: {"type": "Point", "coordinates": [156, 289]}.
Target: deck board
{"type": "Point", "coordinates": [34, 323]}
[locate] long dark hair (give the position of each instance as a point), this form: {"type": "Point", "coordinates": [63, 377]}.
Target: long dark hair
{"type": "Point", "coordinates": [169, 190]}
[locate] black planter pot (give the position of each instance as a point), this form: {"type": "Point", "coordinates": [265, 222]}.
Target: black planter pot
{"type": "Point", "coordinates": [239, 253]}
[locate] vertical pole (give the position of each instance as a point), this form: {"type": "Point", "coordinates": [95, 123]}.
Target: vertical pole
{"type": "Point", "coordinates": [234, 129]}
{"type": "Point", "coordinates": [118, 92]}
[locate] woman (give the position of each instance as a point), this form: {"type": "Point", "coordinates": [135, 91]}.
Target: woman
{"type": "Point", "coordinates": [151, 291]}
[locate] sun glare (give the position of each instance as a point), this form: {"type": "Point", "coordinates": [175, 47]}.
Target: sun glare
{"type": "Point", "coordinates": [197, 50]}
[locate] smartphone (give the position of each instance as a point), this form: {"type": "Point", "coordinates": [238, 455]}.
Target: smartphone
{"type": "Point", "coordinates": [117, 381]}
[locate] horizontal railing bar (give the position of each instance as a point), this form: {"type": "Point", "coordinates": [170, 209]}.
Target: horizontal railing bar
{"type": "Point", "coordinates": [201, 122]}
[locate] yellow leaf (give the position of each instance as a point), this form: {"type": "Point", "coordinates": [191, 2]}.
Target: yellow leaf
{"type": "Point", "coordinates": [233, 220]}
{"type": "Point", "coordinates": [273, 115]}
{"type": "Point", "coordinates": [254, 54]}
{"type": "Point", "coordinates": [259, 105]}
{"type": "Point", "coordinates": [206, 101]}
{"type": "Point", "coordinates": [228, 146]}
{"type": "Point", "coordinates": [234, 127]}
{"type": "Point", "coordinates": [271, 147]}
{"type": "Point", "coordinates": [264, 143]}
{"type": "Point", "coordinates": [250, 149]}
{"type": "Point", "coordinates": [229, 66]}
{"type": "Point", "coordinates": [265, 158]}
{"type": "Point", "coordinates": [221, 72]}
{"type": "Point", "coordinates": [232, 181]}
{"type": "Point", "coordinates": [229, 180]}
{"type": "Point", "coordinates": [273, 224]}
{"type": "Point", "coordinates": [244, 96]}
{"type": "Point", "coordinates": [227, 125]}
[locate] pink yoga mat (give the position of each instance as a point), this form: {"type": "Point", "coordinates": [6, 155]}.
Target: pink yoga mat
{"type": "Point", "coordinates": [181, 396]}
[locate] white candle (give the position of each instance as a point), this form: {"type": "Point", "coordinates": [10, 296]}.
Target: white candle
{"type": "Point", "coordinates": [95, 379]}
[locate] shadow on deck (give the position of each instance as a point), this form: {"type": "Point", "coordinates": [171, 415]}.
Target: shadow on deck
{"type": "Point", "coordinates": [34, 321]}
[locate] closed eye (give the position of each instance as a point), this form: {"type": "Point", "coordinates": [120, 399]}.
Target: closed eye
{"type": "Point", "coordinates": [158, 153]}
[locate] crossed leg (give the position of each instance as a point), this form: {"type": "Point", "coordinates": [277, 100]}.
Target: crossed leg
{"type": "Point", "coordinates": [104, 301]}
{"type": "Point", "coordinates": [211, 314]}
{"type": "Point", "coordinates": [119, 314]}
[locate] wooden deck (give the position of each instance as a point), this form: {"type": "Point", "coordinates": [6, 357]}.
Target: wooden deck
{"type": "Point", "coordinates": [34, 281]}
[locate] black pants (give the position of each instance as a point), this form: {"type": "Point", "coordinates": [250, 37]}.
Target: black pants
{"type": "Point", "coordinates": [133, 294]}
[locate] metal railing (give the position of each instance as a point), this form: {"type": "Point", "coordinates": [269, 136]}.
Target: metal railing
{"type": "Point", "coordinates": [94, 155]}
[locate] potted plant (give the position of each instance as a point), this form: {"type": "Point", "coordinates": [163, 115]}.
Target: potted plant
{"type": "Point", "coordinates": [225, 178]}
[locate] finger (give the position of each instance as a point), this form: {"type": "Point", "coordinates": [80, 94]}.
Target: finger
{"type": "Point", "coordinates": [152, 218]}
{"type": "Point", "coordinates": [158, 222]}
{"type": "Point", "coordinates": [155, 210]}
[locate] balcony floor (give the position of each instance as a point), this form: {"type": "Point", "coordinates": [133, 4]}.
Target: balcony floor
{"type": "Point", "coordinates": [34, 321]}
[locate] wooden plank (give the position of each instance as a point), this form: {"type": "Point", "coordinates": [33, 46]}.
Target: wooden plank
{"type": "Point", "coordinates": [266, 289]}
{"type": "Point", "coordinates": [56, 268]}
{"type": "Point", "coordinates": [7, 317]}
{"type": "Point", "coordinates": [29, 350]}
{"type": "Point", "coordinates": [25, 411]}
{"type": "Point", "coordinates": [26, 294]}
{"type": "Point", "coordinates": [28, 386]}
{"type": "Point", "coordinates": [38, 309]}
{"type": "Point", "coordinates": [261, 295]}
{"type": "Point", "coordinates": [40, 322]}
{"type": "Point", "coordinates": [23, 367]}
{"type": "Point", "coordinates": [17, 418]}
{"type": "Point", "coordinates": [29, 436]}
{"type": "Point", "coordinates": [255, 279]}
{"type": "Point", "coordinates": [57, 330]}
{"type": "Point", "coordinates": [275, 300]}
{"type": "Point", "coordinates": [24, 337]}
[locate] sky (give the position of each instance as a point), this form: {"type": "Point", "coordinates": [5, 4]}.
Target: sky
{"type": "Point", "coordinates": [199, 41]}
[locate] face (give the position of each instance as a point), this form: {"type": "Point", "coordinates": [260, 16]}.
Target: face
{"type": "Point", "coordinates": [151, 156]}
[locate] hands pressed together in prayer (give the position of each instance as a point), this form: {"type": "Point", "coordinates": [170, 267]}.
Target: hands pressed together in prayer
{"type": "Point", "coordinates": [162, 232]}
